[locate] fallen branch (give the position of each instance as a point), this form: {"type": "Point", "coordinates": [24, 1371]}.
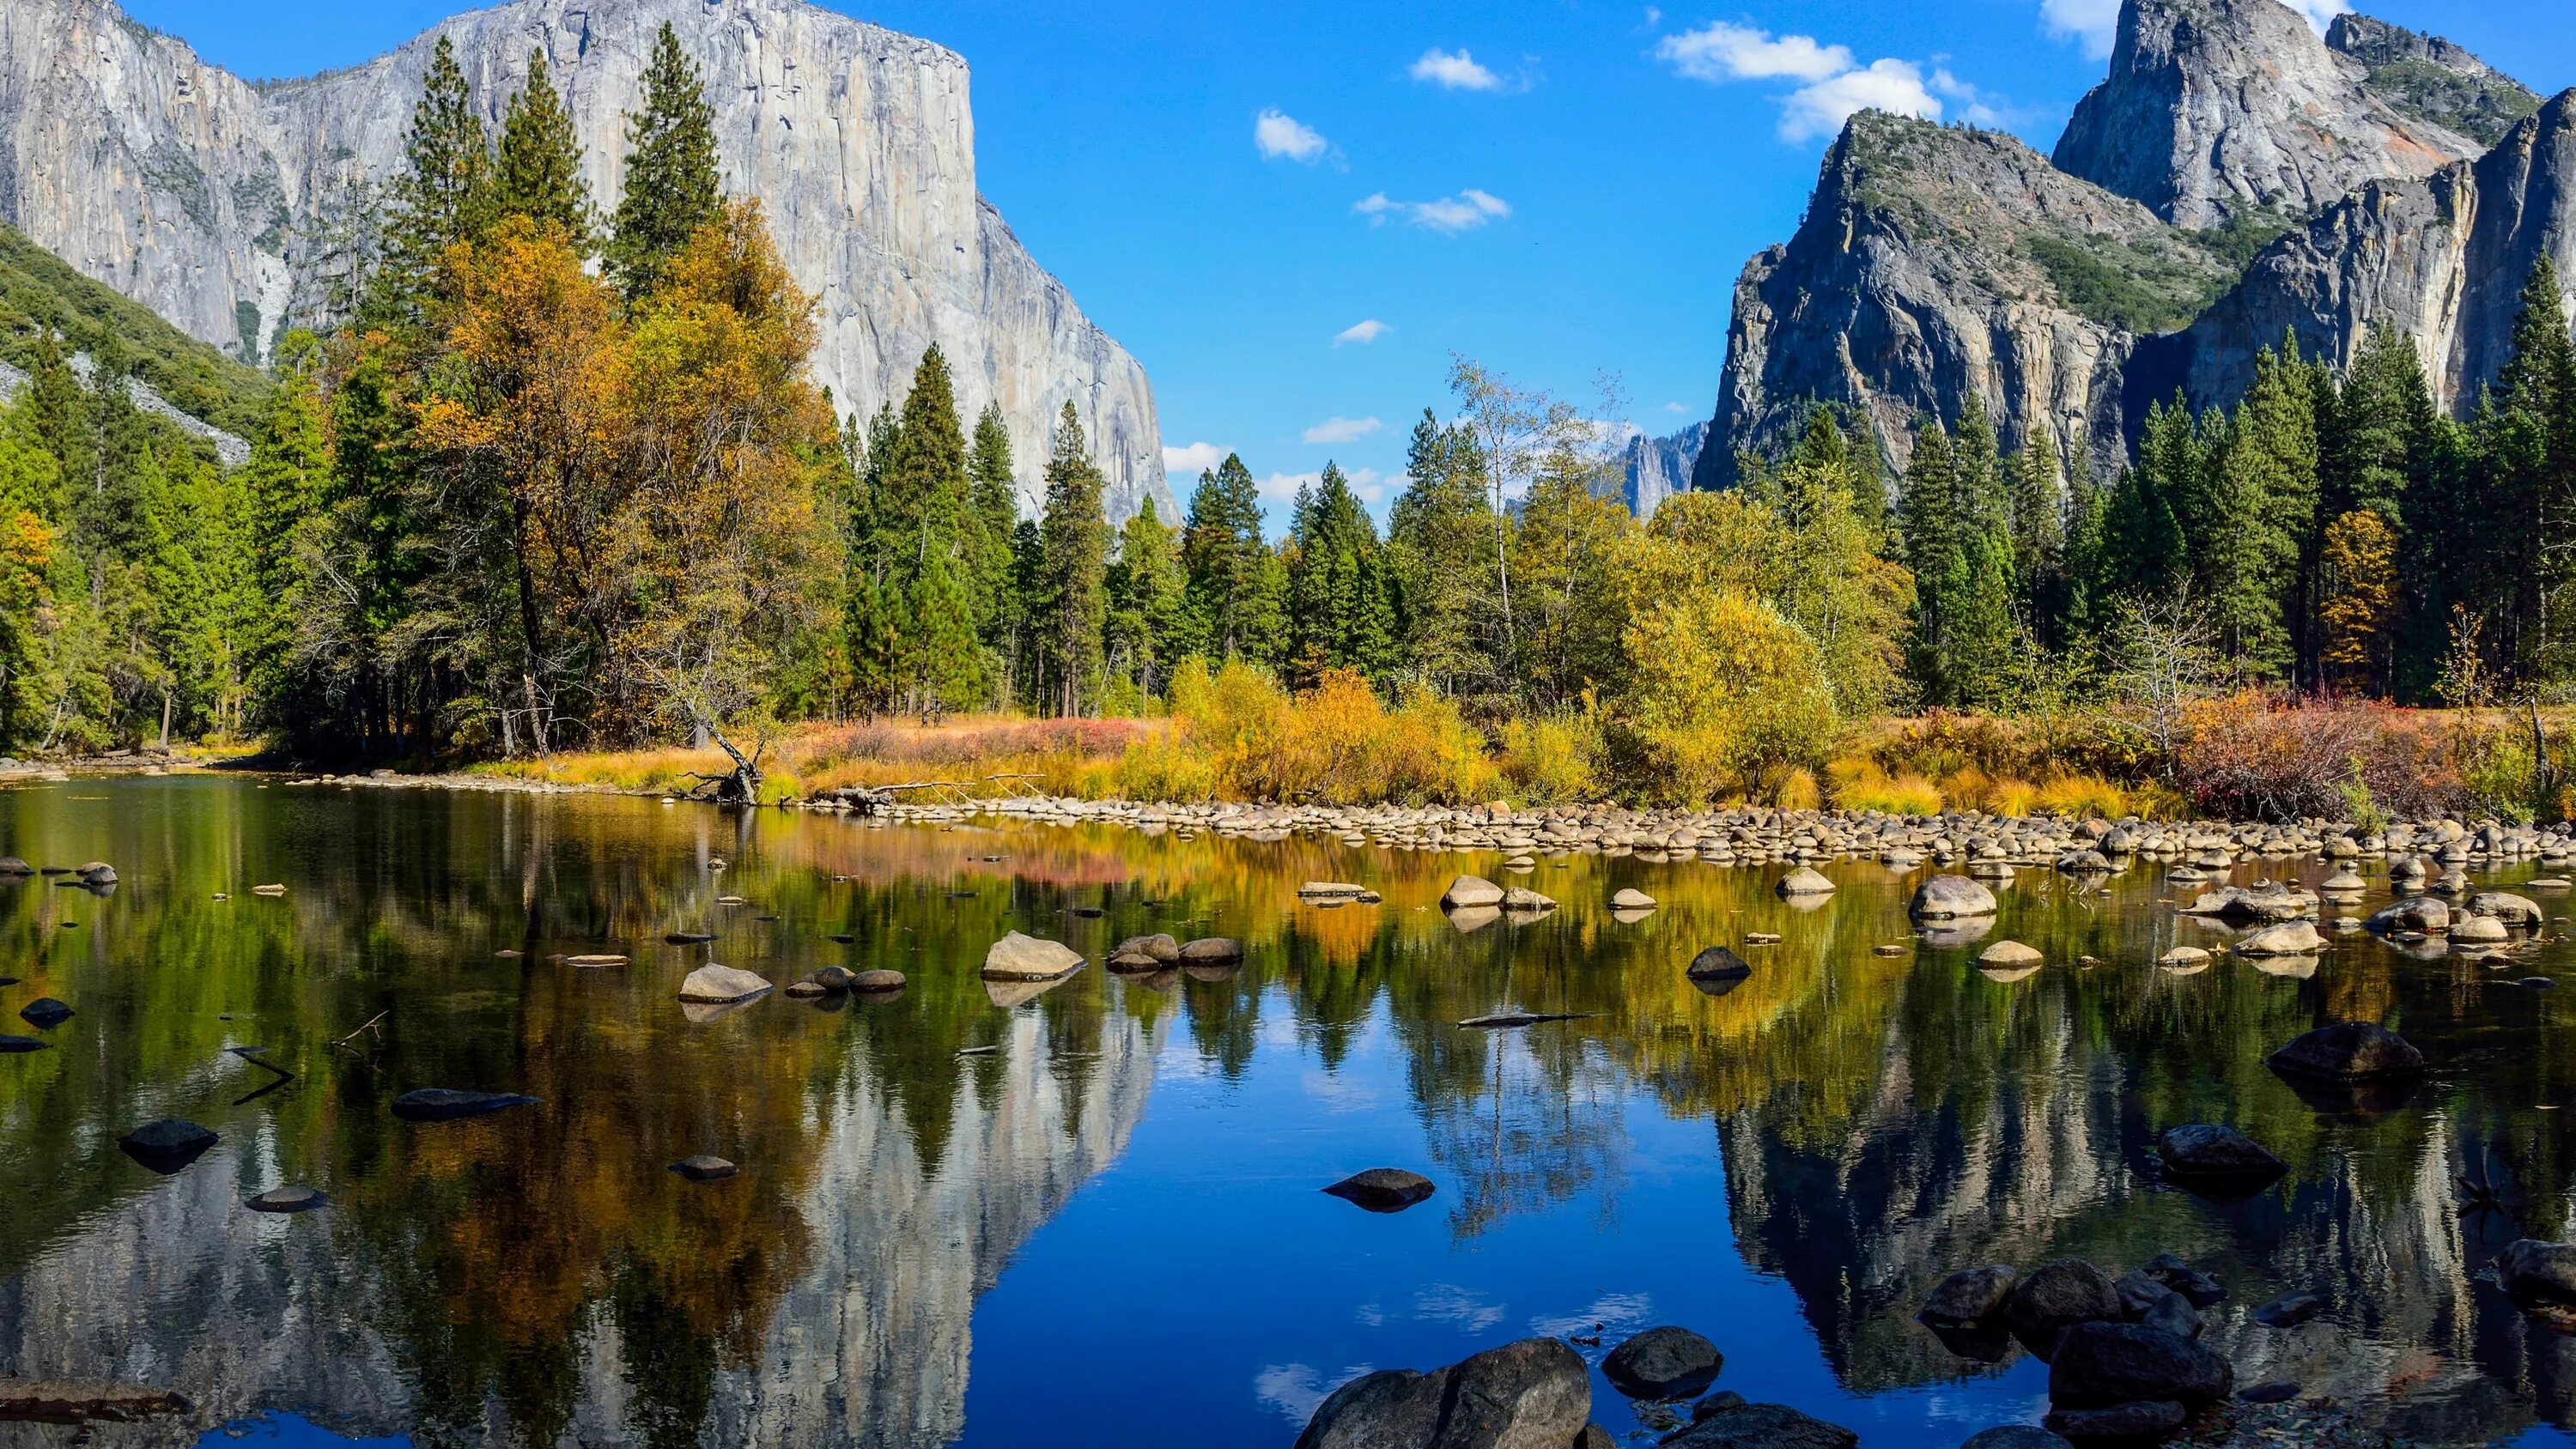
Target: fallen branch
{"type": "Point", "coordinates": [362, 1026]}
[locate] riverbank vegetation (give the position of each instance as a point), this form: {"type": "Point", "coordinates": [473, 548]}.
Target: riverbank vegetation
{"type": "Point", "coordinates": [556, 492]}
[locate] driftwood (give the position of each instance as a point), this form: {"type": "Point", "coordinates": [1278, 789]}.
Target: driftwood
{"type": "Point", "coordinates": [872, 799]}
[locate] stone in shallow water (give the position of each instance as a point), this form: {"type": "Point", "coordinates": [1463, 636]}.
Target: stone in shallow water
{"type": "Point", "coordinates": [10, 1044]}
{"type": "Point", "coordinates": [2348, 1051]}
{"type": "Point", "coordinates": [1718, 964]}
{"type": "Point", "coordinates": [1805, 881]}
{"type": "Point", "coordinates": [2278, 1391]}
{"type": "Point", "coordinates": [1018, 957]}
{"type": "Point", "coordinates": [1471, 890]}
{"type": "Point", "coordinates": [712, 984]}
{"type": "Point", "coordinates": [689, 938]}
{"type": "Point", "coordinates": [2289, 1310]}
{"type": "Point", "coordinates": [2015, 1436]}
{"type": "Point", "coordinates": [2056, 1295]}
{"type": "Point", "coordinates": [1662, 1363]}
{"type": "Point", "coordinates": [167, 1146]}
{"type": "Point", "coordinates": [2137, 1422]}
{"type": "Point", "coordinates": [877, 982]}
{"type": "Point", "coordinates": [703, 1168]}
{"type": "Point", "coordinates": [1535, 1392]}
{"type": "Point", "coordinates": [1762, 1426]}
{"type": "Point", "coordinates": [45, 1011]}
{"type": "Point", "coordinates": [2103, 1365]}
{"type": "Point", "coordinates": [1946, 897]}
{"type": "Point", "coordinates": [1383, 1189]}
{"type": "Point", "coordinates": [1632, 900]}
{"type": "Point", "coordinates": [2205, 1149]}
{"type": "Point", "coordinates": [442, 1104]}
{"type": "Point", "coordinates": [1211, 951]}
{"type": "Point", "coordinates": [2290, 938]}
{"type": "Point", "coordinates": [296, 1199]}
{"type": "Point", "coordinates": [1971, 1295]}
{"type": "Point", "coordinates": [2009, 956]}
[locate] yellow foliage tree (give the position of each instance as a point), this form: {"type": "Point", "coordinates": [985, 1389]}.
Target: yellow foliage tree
{"type": "Point", "coordinates": [2359, 607]}
{"type": "Point", "coordinates": [1723, 687]}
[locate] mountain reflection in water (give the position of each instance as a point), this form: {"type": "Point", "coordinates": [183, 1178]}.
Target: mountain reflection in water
{"type": "Point", "coordinates": [1110, 1221]}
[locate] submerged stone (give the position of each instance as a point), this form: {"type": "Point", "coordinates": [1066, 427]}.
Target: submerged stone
{"type": "Point", "coordinates": [1383, 1189]}
{"type": "Point", "coordinates": [441, 1104]}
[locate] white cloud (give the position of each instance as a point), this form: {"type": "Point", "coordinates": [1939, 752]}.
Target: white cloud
{"type": "Point", "coordinates": [2320, 13]}
{"type": "Point", "coordinates": [1275, 133]}
{"type": "Point", "coordinates": [1836, 84]}
{"type": "Point", "coordinates": [1675, 407]}
{"type": "Point", "coordinates": [1296, 1390]}
{"type": "Point", "coordinates": [1196, 458]}
{"type": "Point", "coordinates": [1723, 52]}
{"type": "Point", "coordinates": [1459, 72]}
{"type": "Point", "coordinates": [1367, 484]}
{"type": "Point", "coordinates": [2094, 22]}
{"type": "Point", "coordinates": [1341, 430]}
{"type": "Point", "coordinates": [1362, 333]}
{"type": "Point", "coordinates": [1466, 211]}
{"type": "Point", "coordinates": [1973, 105]}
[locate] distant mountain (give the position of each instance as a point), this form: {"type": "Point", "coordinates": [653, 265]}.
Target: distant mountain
{"type": "Point", "coordinates": [236, 209]}
{"type": "Point", "coordinates": [1658, 468]}
{"type": "Point", "coordinates": [2233, 176]}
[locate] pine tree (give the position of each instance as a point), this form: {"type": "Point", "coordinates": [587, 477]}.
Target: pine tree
{"type": "Point", "coordinates": [1148, 600]}
{"type": "Point", "coordinates": [2038, 533]}
{"type": "Point", "coordinates": [672, 184]}
{"type": "Point", "coordinates": [1341, 614]}
{"type": "Point", "coordinates": [2530, 442]}
{"type": "Point", "coordinates": [1073, 551]}
{"type": "Point", "coordinates": [441, 197]}
{"type": "Point", "coordinates": [1439, 555]}
{"type": "Point", "coordinates": [1221, 549]}
{"type": "Point", "coordinates": [288, 483]}
{"type": "Point", "coordinates": [992, 497]}
{"type": "Point", "coordinates": [538, 171]}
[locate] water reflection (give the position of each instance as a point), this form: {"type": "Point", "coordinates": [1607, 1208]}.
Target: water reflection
{"type": "Point", "coordinates": [1881, 1111]}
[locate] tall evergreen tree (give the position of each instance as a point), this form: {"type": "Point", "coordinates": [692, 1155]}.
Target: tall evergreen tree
{"type": "Point", "coordinates": [442, 195]}
{"type": "Point", "coordinates": [993, 499]}
{"type": "Point", "coordinates": [1148, 602]}
{"type": "Point", "coordinates": [1439, 535]}
{"type": "Point", "coordinates": [1341, 610]}
{"type": "Point", "coordinates": [1073, 552]}
{"type": "Point", "coordinates": [1222, 549]}
{"type": "Point", "coordinates": [2038, 532]}
{"type": "Point", "coordinates": [672, 184]}
{"type": "Point", "coordinates": [538, 171]}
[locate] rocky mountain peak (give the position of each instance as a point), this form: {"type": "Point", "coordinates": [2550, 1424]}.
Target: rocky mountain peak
{"type": "Point", "coordinates": [235, 210]}
{"type": "Point", "coordinates": [2219, 109]}
{"type": "Point", "coordinates": [2433, 80]}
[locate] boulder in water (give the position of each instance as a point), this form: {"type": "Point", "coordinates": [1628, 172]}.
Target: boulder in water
{"type": "Point", "coordinates": [2057, 1295]}
{"type": "Point", "coordinates": [1761, 1426]}
{"type": "Point", "coordinates": [1534, 1393]}
{"type": "Point", "coordinates": [1805, 881]}
{"type": "Point", "coordinates": [2348, 1051]}
{"type": "Point", "coordinates": [1718, 964]}
{"type": "Point", "coordinates": [1971, 1295]}
{"type": "Point", "coordinates": [1158, 948]}
{"type": "Point", "coordinates": [877, 982]}
{"type": "Point", "coordinates": [703, 1168]}
{"type": "Point", "coordinates": [167, 1145]}
{"type": "Point", "coordinates": [1469, 891]}
{"type": "Point", "coordinates": [45, 1011]}
{"type": "Point", "coordinates": [712, 985]}
{"type": "Point", "coordinates": [1662, 1363]}
{"type": "Point", "coordinates": [1383, 1189]}
{"type": "Point", "coordinates": [443, 1104]}
{"type": "Point", "coordinates": [2538, 1274]}
{"type": "Point", "coordinates": [2290, 938]}
{"type": "Point", "coordinates": [2100, 1365]}
{"type": "Point", "coordinates": [1949, 897]}
{"type": "Point", "coordinates": [1016, 957]}
{"type": "Point", "coordinates": [2205, 1149]}
{"type": "Point", "coordinates": [288, 1200]}
{"type": "Point", "coordinates": [1211, 951]}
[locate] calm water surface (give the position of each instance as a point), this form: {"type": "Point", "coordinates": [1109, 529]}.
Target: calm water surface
{"type": "Point", "coordinates": [1108, 1231]}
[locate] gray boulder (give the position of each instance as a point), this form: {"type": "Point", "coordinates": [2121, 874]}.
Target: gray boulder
{"type": "Point", "coordinates": [1662, 1363]}
{"type": "Point", "coordinates": [2521, 912]}
{"type": "Point", "coordinates": [2103, 1365]}
{"type": "Point", "coordinates": [2207, 1150]}
{"type": "Point", "coordinates": [1211, 951]}
{"type": "Point", "coordinates": [1017, 957]}
{"type": "Point", "coordinates": [712, 983]}
{"type": "Point", "coordinates": [2015, 1436]}
{"type": "Point", "coordinates": [1383, 1189]}
{"type": "Point", "coordinates": [1718, 964]}
{"type": "Point", "coordinates": [1971, 1295]}
{"type": "Point", "coordinates": [167, 1145]}
{"type": "Point", "coordinates": [1805, 881]}
{"type": "Point", "coordinates": [2056, 1296]}
{"type": "Point", "coordinates": [2415, 913]}
{"type": "Point", "coordinates": [1948, 897]}
{"type": "Point", "coordinates": [1157, 947]}
{"type": "Point", "coordinates": [2290, 938]}
{"type": "Point", "coordinates": [1470, 890]}
{"type": "Point", "coordinates": [1762, 1426]}
{"type": "Point", "coordinates": [1533, 1394]}
{"type": "Point", "coordinates": [2538, 1273]}
{"type": "Point", "coordinates": [2348, 1051]}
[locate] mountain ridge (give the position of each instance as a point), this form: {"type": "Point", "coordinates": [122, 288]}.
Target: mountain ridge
{"type": "Point", "coordinates": [236, 209]}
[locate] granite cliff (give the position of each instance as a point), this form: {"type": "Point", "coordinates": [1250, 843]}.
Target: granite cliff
{"type": "Point", "coordinates": [2233, 176]}
{"type": "Point", "coordinates": [237, 208]}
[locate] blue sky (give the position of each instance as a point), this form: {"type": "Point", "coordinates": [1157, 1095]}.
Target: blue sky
{"type": "Point", "coordinates": [1557, 187]}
